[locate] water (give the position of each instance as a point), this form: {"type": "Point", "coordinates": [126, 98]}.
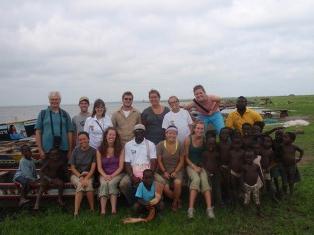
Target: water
{"type": "Point", "coordinates": [21, 113]}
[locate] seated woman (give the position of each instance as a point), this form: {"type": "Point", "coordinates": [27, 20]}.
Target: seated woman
{"type": "Point", "coordinates": [194, 146]}
{"type": "Point", "coordinates": [83, 165]}
{"type": "Point", "coordinates": [13, 133]}
{"type": "Point", "coordinates": [170, 157]}
{"type": "Point", "coordinates": [110, 160]}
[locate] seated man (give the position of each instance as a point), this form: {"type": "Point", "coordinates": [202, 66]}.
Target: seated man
{"type": "Point", "coordinates": [52, 172]}
{"type": "Point", "coordinates": [140, 154]}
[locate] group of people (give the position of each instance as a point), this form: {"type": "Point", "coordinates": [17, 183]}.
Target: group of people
{"type": "Point", "coordinates": [146, 156]}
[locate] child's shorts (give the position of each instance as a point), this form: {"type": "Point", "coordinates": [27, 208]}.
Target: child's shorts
{"type": "Point", "coordinates": [248, 190]}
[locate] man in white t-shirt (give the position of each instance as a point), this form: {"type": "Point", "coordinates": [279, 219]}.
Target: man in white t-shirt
{"type": "Point", "coordinates": [178, 117]}
{"type": "Point", "coordinates": [139, 155]}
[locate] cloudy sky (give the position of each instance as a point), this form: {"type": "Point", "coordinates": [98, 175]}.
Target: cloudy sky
{"type": "Point", "coordinates": [102, 48]}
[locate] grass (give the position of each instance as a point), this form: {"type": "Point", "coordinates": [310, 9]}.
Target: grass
{"type": "Point", "coordinates": [293, 215]}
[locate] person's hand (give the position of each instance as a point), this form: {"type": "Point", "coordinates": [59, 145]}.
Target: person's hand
{"type": "Point", "coordinates": [135, 180]}
{"type": "Point", "coordinates": [42, 154]}
{"type": "Point", "coordinates": [107, 177]}
{"type": "Point", "coordinates": [173, 174]}
{"type": "Point", "coordinates": [84, 173]}
{"type": "Point", "coordinates": [166, 175]}
{"type": "Point", "coordinates": [299, 159]}
{"type": "Point", "coordinates": [153, 202]}
{"type": "Point", "coordinates": [84, 182]}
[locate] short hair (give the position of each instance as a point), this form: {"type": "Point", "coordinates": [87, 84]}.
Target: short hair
{"type": "Point", "coordinates": [127, 93]}
{"type": "Point", "coordinates": [54, 93]}
{"type": "Point", "coordinates": [246, 124]}
{"type": "Point", "coordinates": [198, 87]}
{"type": "Point", "coordinates": [25, 147]}
{"type": "Point", "coordinates": [97, 103]}
{"type": "Point", "coordinates": [148, 171]}
{"type": "Point", "coordinates": [210, 133]}
{"type": "Point", "coordinates": [83, 133]}
{"type": "Point", "coordinates": [11, 129]}
{"type": "Point", "coordinates": [292, 135]}
{"type": "Point", "coordinates": [261, 124]}
{"type": "Point", "coordinates": [154, 91]}
{"type": "Point", "coordinates": [173, 97]}
{"type": "Point", "coordinates": [242, 97]}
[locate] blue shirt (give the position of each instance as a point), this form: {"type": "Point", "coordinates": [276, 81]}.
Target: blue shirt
{"type": "Point", "coordinates": [44, 125]}
{"type": "Point", "coordinates": [26, 169]}
{"type": "Point", "coordinates": [145, 194]}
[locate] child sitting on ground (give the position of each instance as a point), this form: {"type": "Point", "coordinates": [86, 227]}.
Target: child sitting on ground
{"type": "Point", "coordinates": [250, 174]}
{"type": "Point", "coordinates": [289, 160]}
{"type": "Point", "coordinates": [26, 174]}
{"type": "Point", "coordinates": [146, 193]}
{"type": "Point", "coordinates": [210, 159]}
{"type": "Point", "coordinates": [52, 172]}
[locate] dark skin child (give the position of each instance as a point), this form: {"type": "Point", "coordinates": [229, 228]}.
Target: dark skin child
{"type": "Point", "coordinates": [267, 153]}
{"type": "Point", "coordinates": [289, 151]}
{"type": "Point", "coordinates": [224, 146]}
{"type": "Point", "coordinates": [236, 156]}
{"type": "Point", "coordinates": [250, 171]}
{"type": "Point", "coordinates": [211, 156]}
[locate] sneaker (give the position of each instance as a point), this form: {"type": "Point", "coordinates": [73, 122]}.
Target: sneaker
{"type": "Point", "coordinates": [191, 213]}
{"type": "Point", "coordinates": [210, 213]}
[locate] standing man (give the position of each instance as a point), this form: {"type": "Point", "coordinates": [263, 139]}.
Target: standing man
{"type": "Point", "coordinates": [242, 115]}
{"type": "Point", "coordinates": [54, 128]}
{"type": "Point", "coordinates": [126, 118]}
{"type": "Point", "coordinates": [139, 155]}
{"type": "Point", "coordinates": [178, 117]}
{"type": "Point", "coordinates": [78, 121]}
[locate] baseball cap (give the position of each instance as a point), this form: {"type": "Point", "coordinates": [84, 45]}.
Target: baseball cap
{"type": "Point", "coordinates": [84, 98]}
{"type": "Point", "coordinates": [139, 127]}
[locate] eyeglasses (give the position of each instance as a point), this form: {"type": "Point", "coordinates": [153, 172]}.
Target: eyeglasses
{"type": "Point", "coordinates": [173, 102]}
{"type": "Point", "coordinates": [128, 99]}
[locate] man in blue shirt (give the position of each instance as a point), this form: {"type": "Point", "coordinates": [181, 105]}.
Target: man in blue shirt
{"type": "Point", "coordinates": [54, 128]}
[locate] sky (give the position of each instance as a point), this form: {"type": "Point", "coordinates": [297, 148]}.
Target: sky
{"type": "Point", "coordinates": [101, 48]}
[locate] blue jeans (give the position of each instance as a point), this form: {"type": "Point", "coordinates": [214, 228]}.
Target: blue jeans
{"type": "Point", "coordinates": [216, 119]}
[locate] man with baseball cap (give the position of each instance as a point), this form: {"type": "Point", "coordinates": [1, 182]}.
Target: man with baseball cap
{"type": "Point", "coordinates": [78, 120]}
{"type": "Point", "coordinates": [139, 155]}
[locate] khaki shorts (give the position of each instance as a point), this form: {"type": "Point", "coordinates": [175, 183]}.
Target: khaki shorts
{"type": "Point", "coordinates": [199, 181]}
{"type": "Point", "coordinates": [78, 186]}
{"type": "Point", "coordinates": [160, 179]}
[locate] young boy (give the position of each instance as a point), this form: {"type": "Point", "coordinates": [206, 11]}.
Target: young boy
{"type": "Point", "coordinates": [147, 194]}
{"type": "Point", "coordinates": [268, 156]}
{"type": "Point", "coordinates": [235, 165]}
{"type": "Point", "coordinates": [247, 136]}
{"type": "Point", "coordinates": [250, 174]}
{"type": "Point", "coordinates": [26, 174]}
{"type": "Point", "coordinates": [210, 159]}
{"type": "Point", "coordinates": [52, 172]}
{"type": "Point", "coordinates": [289, 159]}
{"type": "Point", "coordinates": [224, 146]}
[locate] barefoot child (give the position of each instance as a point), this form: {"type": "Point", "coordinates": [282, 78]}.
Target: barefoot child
{"type": "Point", "coordinates": [52, 172]}
{"type": "Point", "coordinates": [26, 174]}
{"type": "Point", "coordinates": [289, 159]}
{"type": "Point", "coordinates": [224, 147]}
{"type": "Point", "coordinates": [250, 174]}
{"type": "Point", "coordinates": [235, 165]}
{"type": "Point", "coordinates": [146, 194]}
{"type": "Point", "coordinates": [211, 164]}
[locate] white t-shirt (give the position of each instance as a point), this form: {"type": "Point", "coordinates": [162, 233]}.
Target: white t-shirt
{"type": "Point", "coordinates": [137, 155]}
{"type": "Point", "coordinates": [181, 120]}
{"type": "Point", "coordinates": [126, 113]}
{"type": "Point", "coordinates": [95, 132]}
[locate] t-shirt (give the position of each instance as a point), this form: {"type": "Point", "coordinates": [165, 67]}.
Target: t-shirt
{"type": "Point", "coordinates": [44, 125]}
{"type": "Point", "coordinates": [26, 169]}
{"type": "Point", "coordinates": [96, 131]}
{"type": "Point", "coordinates": [145, 194]}
{"type": "Point", "coordinates": [153, 124]}
{"type": "Point", "coordinates": [181, 120]}
{"type": "Point", "coordinates": [170, 161]}
{"type": "Point", "coordinates": [78, 122]}
{"type": "Point", "coordinates": [211, 104]}
{"type": "Point", "coordinates": [83, 159]}
{"type": "Point", "coordinates": [139, 156]}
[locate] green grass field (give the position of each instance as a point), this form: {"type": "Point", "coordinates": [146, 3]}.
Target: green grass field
{"type": "Point", "coordinates": [293, 215]}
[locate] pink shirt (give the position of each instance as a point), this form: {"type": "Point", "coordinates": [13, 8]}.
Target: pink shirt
{"type": "Point", "coordinates": [211, 104]}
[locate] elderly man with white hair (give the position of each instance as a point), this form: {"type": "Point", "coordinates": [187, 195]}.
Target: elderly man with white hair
{"type": "Point", "coordinates": [54, 128]}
